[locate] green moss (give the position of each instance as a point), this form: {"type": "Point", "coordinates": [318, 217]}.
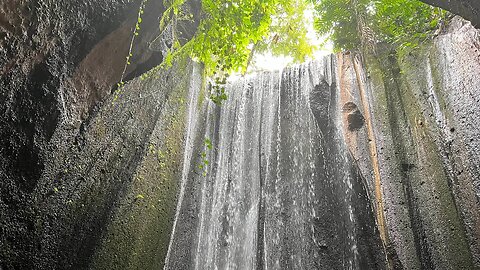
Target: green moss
{"type": "Point", "coordinates": [402, 110]}
{"type": "Point", "coordinates": [139, 233]}
{"type": "Point", "coordinates": [100, 129]}
{"type": "Point", "coordinates": [439, 213]}
{"type": "Point", "coordinates": [203, 90]}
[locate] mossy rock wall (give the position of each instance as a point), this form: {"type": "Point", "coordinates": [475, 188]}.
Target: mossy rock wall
{"type": "Point", "coordinates": [113, 196]}
{"type": "Point", "coordinates": [425, 112]}
{"type": "Point", "coordinates": [139, 232]}
{"type": "Point", "coordinates": [64, 174]}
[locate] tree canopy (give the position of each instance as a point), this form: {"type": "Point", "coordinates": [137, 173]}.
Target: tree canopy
{"type": "Point", "coordinates": [351, 24]}
{"type": "Point", "coordinates": [230, 31]}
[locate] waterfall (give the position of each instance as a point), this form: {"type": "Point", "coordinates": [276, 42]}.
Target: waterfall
{"type": "Point", "coordinates": [281, 190]}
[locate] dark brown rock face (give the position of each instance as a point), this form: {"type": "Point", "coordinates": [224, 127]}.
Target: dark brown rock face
{"type": "Point", "coordinates": [468, 9]}
{"type": "Point", "coordinates": [58, 61]}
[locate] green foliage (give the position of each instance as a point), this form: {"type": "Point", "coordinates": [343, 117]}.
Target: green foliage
{"type": "Point", "coordinates": [288, 32]}
{"type": "Point", "coordinates": [208, 143]}
{"type": "Point", "coordinates": [406, 23]}
{"type": "Point", "coordinates": [231, 31]}
{"type": "Point", "coordinates": [136, 30]}
{"type": "Point", "coordinates": [204, 164]}
{"type": "Point", "coordinates": [337, 19]}
{"type": "Point", "coordinates": [218, 93]}
{"type": "Point", "coordinates": [403, 23]}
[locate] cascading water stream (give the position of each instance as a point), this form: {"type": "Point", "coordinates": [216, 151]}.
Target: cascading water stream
{"type": "Point", "coordinates": [281, 190]}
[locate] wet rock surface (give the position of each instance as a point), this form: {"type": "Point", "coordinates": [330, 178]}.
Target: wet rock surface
{"type": "Point", "coordinates": [42, 44]}
{"type": "Point", "coordinates": [468, 9]}
{"type": "Point", "coordinates": [355, 118]}
{"type": "Point", "coordinates": [59, 61]}
{"type": "Point", "coordinates": [280, 189]}
{"type": "Point", "coordinates": [424, 113]}
{"type": "Point", "coordinates": [374, 161]}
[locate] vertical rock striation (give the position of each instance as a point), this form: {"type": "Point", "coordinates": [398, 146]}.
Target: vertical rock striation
{"type": "Point", "coordinates": [422, 108]}
{"type": "Point", "coordinates": [280, 190]}
{"type": "Point", "coordinates": [344, 163]}
{"type": "Point", "coordinates": [67, 159]}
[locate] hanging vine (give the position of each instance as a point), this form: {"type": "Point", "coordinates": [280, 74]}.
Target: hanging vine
{"type": "Point", "coordinates": [135, 33]}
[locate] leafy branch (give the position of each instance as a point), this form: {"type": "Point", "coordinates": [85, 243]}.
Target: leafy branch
{"type": "Point", "coordinates": [203, 166]}
{"type": "Point", "coordinates": [401, 23]}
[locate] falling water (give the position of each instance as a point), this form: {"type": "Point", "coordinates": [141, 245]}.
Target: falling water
{"type": "Point", "coordinates": [281, 190]}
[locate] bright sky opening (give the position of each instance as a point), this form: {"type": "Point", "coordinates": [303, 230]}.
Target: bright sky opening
{"type": "Point", "coordinates": [267, 61]}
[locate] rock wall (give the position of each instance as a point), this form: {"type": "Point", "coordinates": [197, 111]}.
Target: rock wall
{"type": "Point", "coordinates": [90, 181]}
{"type": "Point", "coordinates": [349, 162]}
{"type": "Point", "coordinates": [420, 147]}
{"type": "Point", "coordinates": [277, 188]}
{"type": "Point", "coordinates": [468, 9]}
{"type": "Point", "coordinates": [68, 157]}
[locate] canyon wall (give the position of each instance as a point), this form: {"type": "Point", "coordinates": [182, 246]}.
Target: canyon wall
{"type": "Point", "coordinates": [69, 157]}
{"type": "Point", "coordinates": [422, 146]}
{"type": "Point", "coordinates": [363, 162]}
{"type": "Point", "coordinates": [348, 162]}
